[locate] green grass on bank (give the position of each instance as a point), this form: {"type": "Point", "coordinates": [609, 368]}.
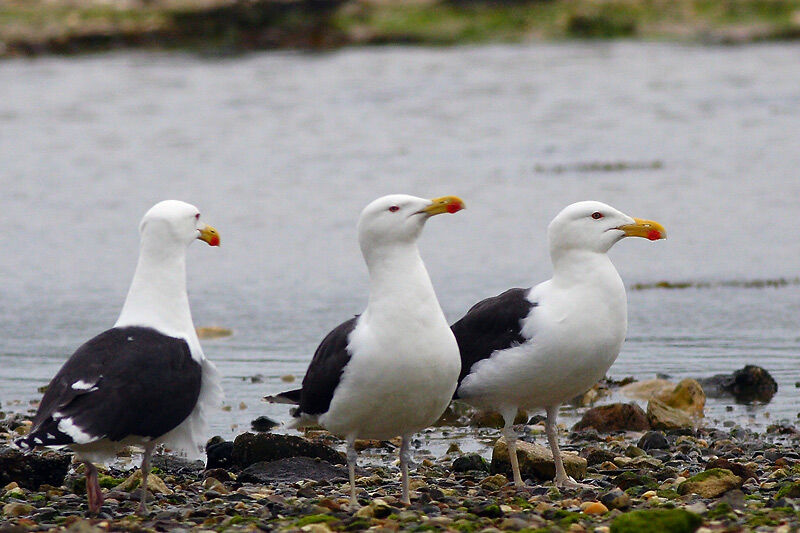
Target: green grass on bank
{"type": "Point", "coordinates": [470, 21]}
{"type": "Point", "coordinates": [252, 24]}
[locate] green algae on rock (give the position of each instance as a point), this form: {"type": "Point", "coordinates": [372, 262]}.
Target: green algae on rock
{"type": "Point", "coordinates": [656, 521]}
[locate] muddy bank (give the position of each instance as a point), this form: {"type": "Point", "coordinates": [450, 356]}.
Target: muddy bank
{"type": "Point", "coordinates": [34, 27]}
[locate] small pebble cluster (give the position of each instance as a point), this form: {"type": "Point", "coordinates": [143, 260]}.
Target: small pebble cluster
{"type": "Point", "coordinates": [703, 480]}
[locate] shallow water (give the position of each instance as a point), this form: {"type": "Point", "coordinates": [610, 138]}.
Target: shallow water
{"type": "Point", "coordinates": [282, 150]}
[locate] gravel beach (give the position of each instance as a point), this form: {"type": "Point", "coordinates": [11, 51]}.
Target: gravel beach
{"type": "Point", "coordinates": [684, 479]}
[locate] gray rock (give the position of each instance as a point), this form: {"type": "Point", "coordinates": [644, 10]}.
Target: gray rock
{"type": "Point", "coordinates": [250, 448]}
{"type": "Point", "coordinates": [653, 440]}
{"type": "Point", "coordinates": [472, 461]}
{"type": "Point", "coordinates": [749, 384]}
{"type": "Point", "coordinates": [616, 499]}
{"type": "Point", "coordinates": [535, 461]}
{"type": "Point", "coordinates": [614, 417]}
{"type": "Point", "coordinates": [33, 469]}
{"type": "Point", "coordinates": [291, 470]}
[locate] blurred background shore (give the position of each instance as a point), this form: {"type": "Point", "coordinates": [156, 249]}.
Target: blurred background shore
{"type": "Point", "coordinates": [37, 27]}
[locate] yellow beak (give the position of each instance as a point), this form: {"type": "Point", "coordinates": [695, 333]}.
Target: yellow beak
{"type": "Point", "coordinates": [209, 234]}
{"type": "Point", "coordinates": [444, 204]}
{"type": "Point", "coordinates": [644, 228]}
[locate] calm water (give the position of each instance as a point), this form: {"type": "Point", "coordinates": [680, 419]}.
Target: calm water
{"type": "Point", "coordinates": [282, 150]}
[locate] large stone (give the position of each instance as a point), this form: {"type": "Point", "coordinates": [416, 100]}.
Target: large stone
{"type": "Point", "coordinates": [749, 384]}
{"type": "Point", "coordinates": [662, 416]}
{"type": "Point", "coordinates": [535, 461]}
{"type": "Point", "coordinates": [616, 499]}
{"type": "Point", "coordinates": [470, 462]}
{"type": "Point", "coordinates": [688, 396]}
{"type": "Point", "coordinates": [33, 469]}
{"type": "Point", "coordinates": [219, 455]}
{"type": "Point", "coordinates": [653, 440]}
{"type": "Point", "coordinates": [646, 389]}
{"type": "Point", "coordinates": [614, 417]}
{"type": "Point", "coordinates": [154, 483]}
{"type": "Point", "coordinates": [16, 509]}
{"type": "Point", "coordinates": [249, 448]}
{"type": "Point", "coordinates": [743, 471]}
{"type": "Point", "coordinates": [656, 521]}
{"type": "Point", "coordinates": [291, 470]}
{"type": "Point", "coordinates": [711, 483]}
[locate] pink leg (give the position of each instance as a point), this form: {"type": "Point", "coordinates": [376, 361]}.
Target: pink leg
{"type": "Point", "coordinates": [93, 491]}
{"type": "Point", "coordinates": [148, 452]}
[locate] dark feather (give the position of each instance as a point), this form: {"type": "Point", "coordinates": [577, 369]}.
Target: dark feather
{"type": "Point", "coordinates": [492, 324]}
{"type": "Point", "coordinates": [325, 370]}
{"type": "Point", "coordinates": [144, 383]}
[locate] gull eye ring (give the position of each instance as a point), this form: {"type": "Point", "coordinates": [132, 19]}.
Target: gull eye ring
{"type": "Point", "coordinates": [597, 215]}
{"type": "Point", "coordinates": [394, 209]}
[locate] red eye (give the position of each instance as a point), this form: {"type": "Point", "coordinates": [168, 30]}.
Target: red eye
{"type": "Point", "coordinates": [394, 208]}
{"type": "Point", "coordinates": [597, 215]}
{"type": "Point", "coordinates": [197, 216]}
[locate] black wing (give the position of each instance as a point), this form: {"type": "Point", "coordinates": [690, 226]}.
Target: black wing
{"type": "Point", "coordinates": [492, 324]}
{"type": "Point", "coordinates": [126, 381]}
{"type": "Point", "coordinates": [325, 370]}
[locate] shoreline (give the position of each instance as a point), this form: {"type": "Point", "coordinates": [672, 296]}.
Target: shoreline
{"type": "Point", "coordinates": [224, 27]}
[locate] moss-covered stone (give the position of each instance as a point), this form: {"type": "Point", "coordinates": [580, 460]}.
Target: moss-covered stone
{"type": "Point", "coordinates": [656, 521]}
{"type": "Point", "coordinates": [789, 490]}
{"type": "Point", "coordinates": [315, 519]}
{"type": "Point", "coordinates": [711, 483]}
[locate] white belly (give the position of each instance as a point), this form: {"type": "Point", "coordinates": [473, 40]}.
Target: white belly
{"type": "Point", "coordinates": [395, 386]}
{"type": "Point", "coordinates": [571, 349]}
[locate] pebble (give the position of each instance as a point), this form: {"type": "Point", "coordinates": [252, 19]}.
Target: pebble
{"type": "Point", "coordinates": [447, 498]}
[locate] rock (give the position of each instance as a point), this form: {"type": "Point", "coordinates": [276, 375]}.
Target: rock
{"type": "Point", "coordinates": [535, 461]}
{"type": "Point", "coordinates": [616, 499]}
{"type": "Point", "coordinates": [614, 417]}
{"type": "Point", "coordinates": [263, 423]}
{"type": "Point", "coordinates": [656, 521]}
{"type": "Point", "coordinates": [219, 455]}
{"type": "Point", "coordinates": [749, 384]}
{"type": "Point", "coordinates": [34, 469]}
{"type": "Point", "coordinates": [644, 390]}
{"type": "Point", "coordinates": [789, 490]}
{"type": "Point", "coordinates": [494, 482]}
{"type": "Point", "coordinates": [154, 483]}
{"type": "Point", "coordinates": [627, 480]}
{"type": "Point", "coordinates": [743, 471]}
{"type": "Point", "coordinates": [594, 508]}
{"type": "Point", "coordinates": [291, 470]}
{"type": "Point", "coordinates": [173, 464]}
{"type": "Point", "coordinates": [250, 448]}
{"type": "Point", "coordinates": [687, 396]}
{"type": "Point", "coordinates": [213, 332]}
{"type": "Point", "coordinates": [662, 416]}
{"type": "Point", "coordinates": [654, 440]}
{"type": "Point", "coordinates": [596, 456]}
{"type": "Point", "coordinates": [487, 509]}
{"type": "Point", "coordinates": [711, 483]}
{"type": "Point", "coordinates": [16, 509]}
{"type": "Point", "coordinates": [469, 462]}
{"type": "Point", "coordinates": [491, 419]}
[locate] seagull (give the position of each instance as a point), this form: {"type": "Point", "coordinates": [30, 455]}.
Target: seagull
{"type": "Point", "coordinates": [391, 370]}
{"type": "Point", "coordinates": [145, 380]}
{"type": "Point", "coordinates": [539, 347]}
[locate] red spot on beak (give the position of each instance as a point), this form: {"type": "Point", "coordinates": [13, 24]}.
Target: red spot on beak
{"type": "Point", "coordinates": [455, 207]}
{"type": "Point", "coordinates": [653, 235]}
{"type": "Point", "coordinates": [214, 241]}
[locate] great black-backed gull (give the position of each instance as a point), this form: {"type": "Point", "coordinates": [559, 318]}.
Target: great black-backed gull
{"type": "Point", "coordinates": [146, 380]}
{"type": "Point", "coordinates": [393, 369]}
{"type": "Point", "coordinates": [539, 347]}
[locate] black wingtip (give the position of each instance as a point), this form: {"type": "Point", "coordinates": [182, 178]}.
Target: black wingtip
{"type": "Point", "coordinates": [290, 396]}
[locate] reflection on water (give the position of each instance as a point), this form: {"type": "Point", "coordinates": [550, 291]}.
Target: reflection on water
{"type": "Point", "coordinates": [282, 150]}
